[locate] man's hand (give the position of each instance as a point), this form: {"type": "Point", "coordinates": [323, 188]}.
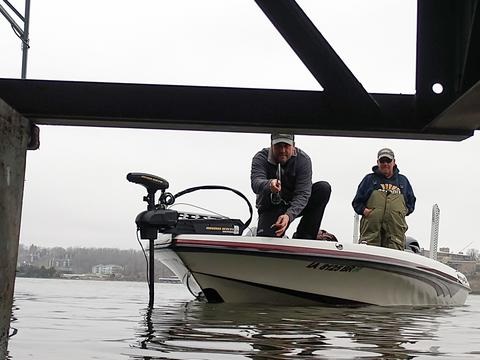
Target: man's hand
{"type": "Point", "coordinates": [367, 212]}
{"type": "Point", "coordinates": [281, 225]}
{"type": "Point", "coordinates": [275, 186]}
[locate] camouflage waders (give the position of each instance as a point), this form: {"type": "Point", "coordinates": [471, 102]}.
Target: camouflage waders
{"type": "Point", "coordinates": [386, 225]}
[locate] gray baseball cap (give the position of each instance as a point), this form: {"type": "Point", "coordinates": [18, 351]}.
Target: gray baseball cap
{"type": "Point", "coordinates": [282, 138]}
{"type": "Point", "coordinates": [385, 152]}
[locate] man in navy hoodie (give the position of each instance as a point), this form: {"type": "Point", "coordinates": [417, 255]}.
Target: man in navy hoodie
{"type": "Point", "coordinates": [384, 198]}
{"type": "Point", "coordinates": [281, 177]}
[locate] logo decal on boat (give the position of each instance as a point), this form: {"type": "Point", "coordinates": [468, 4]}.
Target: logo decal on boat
{"type": "Point", "coordinates": [332, 267]}
{"type": "Point", "coordinates": [235, 230]}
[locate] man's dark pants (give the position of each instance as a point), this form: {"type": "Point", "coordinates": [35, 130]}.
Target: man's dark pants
{"type": "Point", "coordinates": [311, 215]}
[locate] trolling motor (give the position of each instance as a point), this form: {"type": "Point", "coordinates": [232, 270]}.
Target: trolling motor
{"type": "Point", "coordinates": [152, 220]}
{"type": "Point", "coordinates": [157, 217]}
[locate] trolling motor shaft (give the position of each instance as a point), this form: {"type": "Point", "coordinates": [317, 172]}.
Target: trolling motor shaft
{"type": "Point", "coordinates": [152, 220]}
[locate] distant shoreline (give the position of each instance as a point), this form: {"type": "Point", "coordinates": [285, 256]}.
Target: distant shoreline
{"type": "Point", "coordinates": [474, 281]}
{"type": "Point", "coordinates": [98, 278]}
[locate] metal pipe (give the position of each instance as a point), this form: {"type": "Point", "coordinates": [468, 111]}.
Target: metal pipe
{"type": "Point", "coordinates": [25, 40]}
{"type": "Point", "coordinates": [151, 274]}
{"type": "Point", "coordinates": [15, 26]}
{"type": "Point", "coordinates": [151, 257]}
{"type": "Point", "coordinates": [22, 34]}
{"type": "Point", "coordinates": [14, 10]}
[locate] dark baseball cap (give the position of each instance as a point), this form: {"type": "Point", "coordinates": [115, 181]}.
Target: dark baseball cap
{"type": "Point", "coordinates": [282, 138]}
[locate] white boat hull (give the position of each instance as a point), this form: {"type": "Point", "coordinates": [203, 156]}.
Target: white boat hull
{"type": "Point", "coordinates": [293, 272]}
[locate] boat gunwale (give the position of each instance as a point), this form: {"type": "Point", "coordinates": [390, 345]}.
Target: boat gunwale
{"type": "Point", "coordinates": [294, 251]}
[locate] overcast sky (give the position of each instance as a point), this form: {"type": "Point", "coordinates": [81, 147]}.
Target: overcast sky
{"type": "Point", "coordinates": [76, 193]}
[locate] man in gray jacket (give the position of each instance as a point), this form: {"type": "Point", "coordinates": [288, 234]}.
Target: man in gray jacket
{"type": "Point", "coordinates": [281, 177]}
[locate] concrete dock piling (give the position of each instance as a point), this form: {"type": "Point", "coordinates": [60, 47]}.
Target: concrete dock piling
{"type": "Point", "coordinates": [14, 141]}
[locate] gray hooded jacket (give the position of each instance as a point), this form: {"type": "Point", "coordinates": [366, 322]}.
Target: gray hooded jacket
{"type": "Point", "coordinates": [296, 181]}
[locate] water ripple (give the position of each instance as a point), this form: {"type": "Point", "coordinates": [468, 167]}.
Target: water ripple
{"type": "Point", "coordinates": [260, 332]}
{"type": "Point", "coordinates": [58, 319]}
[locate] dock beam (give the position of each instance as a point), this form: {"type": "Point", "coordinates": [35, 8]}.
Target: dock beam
{"type": "Point", "coordinates": [14, 141]}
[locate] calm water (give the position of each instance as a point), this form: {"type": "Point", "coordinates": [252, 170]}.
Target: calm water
{"type": "Point", "coordinates": [71, 319]}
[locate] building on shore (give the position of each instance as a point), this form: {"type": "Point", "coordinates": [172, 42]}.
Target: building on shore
{"type": "Point", "coordinates": [467, 264]}
{"type": "Point", "coordinates": [107, 269]}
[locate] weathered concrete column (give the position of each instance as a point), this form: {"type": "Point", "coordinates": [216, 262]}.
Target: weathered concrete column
{"type": "Point", "coordinates": [14, 139]}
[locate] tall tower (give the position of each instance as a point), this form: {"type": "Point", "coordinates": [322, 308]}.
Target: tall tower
{"type": "Point", "coordinates": [356, 226]}
{"type": "Point", "coordinates": [434, 231]}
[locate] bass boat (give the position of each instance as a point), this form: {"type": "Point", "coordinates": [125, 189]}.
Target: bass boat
{"type": "Point", "coordinates": [218, 263]}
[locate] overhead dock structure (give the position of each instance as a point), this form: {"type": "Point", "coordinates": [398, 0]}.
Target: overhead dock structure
{"type": "Point", "coordinates": [445, 106]}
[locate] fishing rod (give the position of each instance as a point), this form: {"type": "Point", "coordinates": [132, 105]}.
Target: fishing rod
{"type": "Point", "coordinates": [275, 198]}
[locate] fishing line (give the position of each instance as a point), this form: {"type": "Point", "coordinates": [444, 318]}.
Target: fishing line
{"type": "Point", "coordinates": [201, 208]}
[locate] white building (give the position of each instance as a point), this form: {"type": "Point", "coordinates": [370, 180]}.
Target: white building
{"type": "Point", "coordinates": [107, 269]}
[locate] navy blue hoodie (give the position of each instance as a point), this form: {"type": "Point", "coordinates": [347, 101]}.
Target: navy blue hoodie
{"type": "Point", "coordinates": [376, 180]}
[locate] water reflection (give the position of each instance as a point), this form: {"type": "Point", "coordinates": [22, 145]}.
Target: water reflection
{"type": "Point", "coordinates": [208, 331]}
{"type": "Point", "coordinates": [6, 334]}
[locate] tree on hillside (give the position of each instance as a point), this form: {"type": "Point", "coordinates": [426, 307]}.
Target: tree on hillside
{"type": "Point", "coordinates": [473, 254]}
{"type": "Point", "coordinates": [82, 260]}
